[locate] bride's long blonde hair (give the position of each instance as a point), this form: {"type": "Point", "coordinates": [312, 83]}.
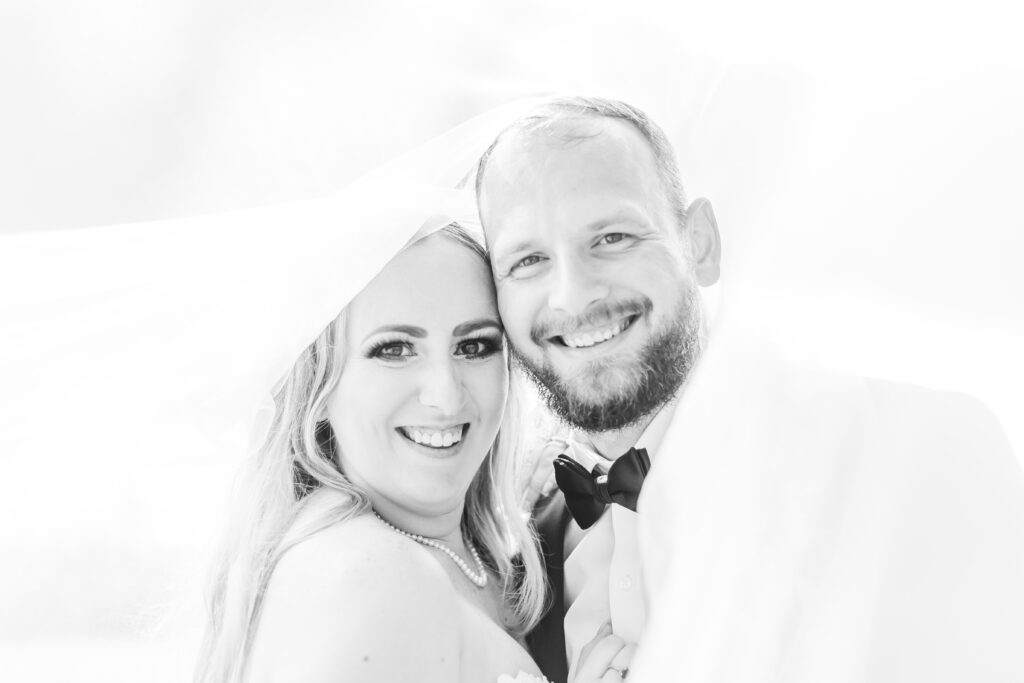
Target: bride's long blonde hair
{"type": "Point", "coordinates": [293, 487]}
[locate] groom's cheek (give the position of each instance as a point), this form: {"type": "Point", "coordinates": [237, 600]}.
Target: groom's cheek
{"type": "Point", "coordinates": [515, 316]}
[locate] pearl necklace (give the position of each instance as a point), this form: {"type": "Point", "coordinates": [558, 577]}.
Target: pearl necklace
{"type": "Point", "coordinates": [479, 577]}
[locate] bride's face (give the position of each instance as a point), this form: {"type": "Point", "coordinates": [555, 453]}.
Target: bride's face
{"type": "Point", "coordinates": [425, 378]}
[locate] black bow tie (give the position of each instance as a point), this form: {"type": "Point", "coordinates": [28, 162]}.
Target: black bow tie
{"type": "Point", "coordinates": [587, 493]}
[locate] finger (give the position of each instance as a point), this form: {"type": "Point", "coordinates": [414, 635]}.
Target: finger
{"type": "Point", "coordinates": [612, 675]}
{"type": "Point", "coordinates": [541, 472]}
{"type": "Point", "coordinates": [549, 484]}
{"type": "Point", "coordinates": [624, 658]}
{"type": "Point", "coordinates": [600, 657]}
{"type": "Point", "coordinates": [540, 483]}
{"type": "Point", "coordinates": [556, 444]}
{"type": "Point", "coordinates": [602, 631]}
{"type": "Point", "coordinates": [541, 478]}
{"type": "Point", "coordinates": [552, 449]}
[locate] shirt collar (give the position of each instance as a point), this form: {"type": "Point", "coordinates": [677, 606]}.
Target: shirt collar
{"type": "Point", "coordinates": [582, 450]}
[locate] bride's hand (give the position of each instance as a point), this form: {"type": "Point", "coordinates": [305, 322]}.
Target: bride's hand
{"type": "Point", "coordinates": [606, 658]}
{"type": "Point", "coordinates": [542, 477]}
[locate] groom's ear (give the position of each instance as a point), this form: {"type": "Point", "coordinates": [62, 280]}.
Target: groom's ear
{"type": "Point", "coordinates": [705, 243]}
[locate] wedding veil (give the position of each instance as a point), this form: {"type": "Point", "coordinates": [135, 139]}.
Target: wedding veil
{"type": "Point", "coordinates": [138, 363]}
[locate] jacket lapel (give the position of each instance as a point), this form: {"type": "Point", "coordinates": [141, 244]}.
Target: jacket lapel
{"type": "Point", "coordinates": [547, 640]}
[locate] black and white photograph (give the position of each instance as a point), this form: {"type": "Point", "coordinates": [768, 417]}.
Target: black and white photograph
{"type": "Point", "coordinates": [564, 342]}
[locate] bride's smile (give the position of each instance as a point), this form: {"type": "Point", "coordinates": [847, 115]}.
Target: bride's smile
{"type": "Point", "coordinates": [422, 393]}
{"type": "Point", "coordinates": [436, 438]}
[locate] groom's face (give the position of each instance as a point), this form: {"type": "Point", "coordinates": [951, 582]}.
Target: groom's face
{"type": "Point", "coordinates": [595, 284]}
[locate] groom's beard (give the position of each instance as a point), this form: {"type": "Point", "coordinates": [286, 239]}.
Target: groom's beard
{"type": "Point", "coordinates": [618, 392]}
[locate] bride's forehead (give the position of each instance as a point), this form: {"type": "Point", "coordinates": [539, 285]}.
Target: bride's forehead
{"type": "Point", "coordinates": [434, 277]}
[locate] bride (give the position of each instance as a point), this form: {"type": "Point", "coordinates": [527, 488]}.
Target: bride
{"type": "Point", "coordinates": [377, 537]}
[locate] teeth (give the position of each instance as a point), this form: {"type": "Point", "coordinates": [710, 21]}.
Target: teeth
{"type": "Point", "coordinates": [435, 438]}
{"type": "Point", "coordinates": [580, 341]}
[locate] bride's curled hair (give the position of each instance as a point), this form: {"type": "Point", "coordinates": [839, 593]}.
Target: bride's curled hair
{"type": "Point", "coordinates": [293, 487]}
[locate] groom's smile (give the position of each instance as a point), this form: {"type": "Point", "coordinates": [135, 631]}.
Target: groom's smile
{"type": "Point", "coordinates": [600, 326]}
{"type": "Point", "coordinates": [595, 284]}
{"type": "Point", "coordinates": [585, 340]}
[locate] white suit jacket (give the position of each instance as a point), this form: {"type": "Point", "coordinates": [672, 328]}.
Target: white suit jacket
{"type": "Point", "coordinates": [804, 526]}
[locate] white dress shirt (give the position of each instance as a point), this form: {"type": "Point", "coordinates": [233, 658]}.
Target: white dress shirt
{"type": "Point", "coordinates": [604, 580]}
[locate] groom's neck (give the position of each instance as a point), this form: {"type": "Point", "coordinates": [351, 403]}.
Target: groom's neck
{"type": "Point", "coordinates": [612, 444]}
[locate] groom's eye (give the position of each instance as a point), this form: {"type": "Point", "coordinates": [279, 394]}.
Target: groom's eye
{"type": "Point", "coordinates": [612, 238]}
{"type": "Point", "coordinates": [526, 262]}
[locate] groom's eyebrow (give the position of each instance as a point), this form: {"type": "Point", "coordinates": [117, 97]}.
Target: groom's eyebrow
{"type": "Point", "coordinates": [524, 245]}
{"type": "Point", "coordinates": [473, 325]}
{"type": "Point", "coordinates": [410, 330]}
{"type": "Point", "coordinates": [622, 217]}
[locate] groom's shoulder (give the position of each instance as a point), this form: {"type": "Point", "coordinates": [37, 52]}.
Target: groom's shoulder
{"type": "Point", "coordinates": [912, 401]}
{"type": "Point", "coordinates": [775, 371]}
{"type": "Point", "coordinates": [939, 421]}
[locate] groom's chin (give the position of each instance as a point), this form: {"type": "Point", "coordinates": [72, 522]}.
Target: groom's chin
{"type": "Point", "coordinates": [608, 399]}
{"type": "Point", "coordinates": [596, 414]}
{"type": "Point", "coordinates": [602, 386]}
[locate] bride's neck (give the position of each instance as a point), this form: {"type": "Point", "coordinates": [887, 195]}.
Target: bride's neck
{"type": "Point", "coordinates": [445, 527]}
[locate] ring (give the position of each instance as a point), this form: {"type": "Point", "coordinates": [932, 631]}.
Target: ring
{"type": "Point", "coordinates": [622, 672]}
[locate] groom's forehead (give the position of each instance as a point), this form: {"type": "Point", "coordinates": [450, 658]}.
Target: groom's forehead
{"type": "Point", "coordinates": [546, 168]}
{"type": "Point", "coordinates": [521, 149]}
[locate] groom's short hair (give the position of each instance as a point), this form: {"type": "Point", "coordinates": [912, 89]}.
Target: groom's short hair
{"type": "Point", "coordinates": [541, 118]}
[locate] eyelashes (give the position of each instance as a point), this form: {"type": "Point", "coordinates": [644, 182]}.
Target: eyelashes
{"type": "Point", "coordinates": [397, 350]}
{"type": "Point", "coordinates": [389, 349]}
{"type": "Point", "coordinates": [479, 347]}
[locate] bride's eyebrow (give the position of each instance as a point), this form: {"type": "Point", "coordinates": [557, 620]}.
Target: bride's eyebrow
{"type": "Point", "coordinates": [474, 325]}
{"type": "Point", "coordinates": [410, 330]}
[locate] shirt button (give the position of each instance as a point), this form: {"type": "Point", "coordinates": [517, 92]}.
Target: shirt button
{"type": "Point", "coordinates": [626, 582]}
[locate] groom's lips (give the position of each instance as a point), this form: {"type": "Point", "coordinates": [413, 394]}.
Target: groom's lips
{"type": "Point", "coordinates": [595, 335]}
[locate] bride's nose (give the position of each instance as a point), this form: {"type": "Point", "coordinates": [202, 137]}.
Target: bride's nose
{"type": "Point", "coordinates": [441, 386]}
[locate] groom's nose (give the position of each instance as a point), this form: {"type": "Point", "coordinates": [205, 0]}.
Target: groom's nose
{"type": "Point", "coordinates": [574, 285]}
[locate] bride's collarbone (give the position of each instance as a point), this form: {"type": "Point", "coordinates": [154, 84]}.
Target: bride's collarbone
{"type": "Point", "coordinates": [487, 599]}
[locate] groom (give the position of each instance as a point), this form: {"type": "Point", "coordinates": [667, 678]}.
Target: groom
{"type": "Point", "coordinates": [597, 261]}
{"type": "Point", "coordinates": [796, 525]}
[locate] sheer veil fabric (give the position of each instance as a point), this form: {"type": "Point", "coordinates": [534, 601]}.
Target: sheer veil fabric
{"type": "Point", "coordinates": [138, 363]}
{"type": "Point", "coordinates": [120, 338]}
{"type": "Point", "coordinates": [135, 345]}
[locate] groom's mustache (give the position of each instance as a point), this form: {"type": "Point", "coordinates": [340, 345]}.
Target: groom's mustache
{"type": "Point", "coordinates": [596, 315]}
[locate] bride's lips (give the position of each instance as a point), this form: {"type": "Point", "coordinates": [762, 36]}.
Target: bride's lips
{"type": "Point", "coordinates": [436, 439]}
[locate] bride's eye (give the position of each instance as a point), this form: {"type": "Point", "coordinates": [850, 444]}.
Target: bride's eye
{"type": "Point", "coordinates": [481, 347]}
{"type": "Point", "coordinates": [391, 350]}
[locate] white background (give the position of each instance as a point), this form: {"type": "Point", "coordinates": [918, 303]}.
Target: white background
{"type": "Point", "coordinates": [865, 167]}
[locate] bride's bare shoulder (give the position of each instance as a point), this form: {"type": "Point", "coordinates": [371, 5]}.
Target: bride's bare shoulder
{"type": "Point", "coordinates": [356, 601]}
